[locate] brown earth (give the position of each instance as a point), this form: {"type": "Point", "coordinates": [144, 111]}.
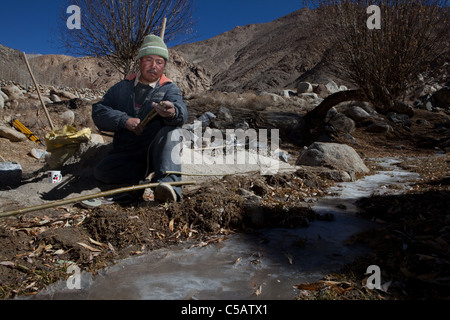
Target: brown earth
{"type": "Point", "coordinates": [36, 248]}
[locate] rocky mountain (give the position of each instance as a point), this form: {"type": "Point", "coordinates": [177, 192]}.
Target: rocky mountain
{"type": "Point", "coordinates": [259, 56]}
{"type": "Point", "coordinates": [90, 72]}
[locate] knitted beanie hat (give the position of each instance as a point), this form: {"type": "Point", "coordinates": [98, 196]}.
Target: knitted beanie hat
{"type": "Point", "coordinates": [153, 45]}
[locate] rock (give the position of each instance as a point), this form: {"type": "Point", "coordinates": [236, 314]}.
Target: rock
{"type": "Point", "coordinates": [311, 98]}
{"type": "Point", "coordinates": [275, 97]}
{"type": "Point", "coordinates": [38, 153]}
{"type": "Point", "coordinates": [332, 87]}
{"type": "Point", "coordinates": [379, 127]}
{"type": "Point", "coordinates": [337, 175]}
{"type": "Point", "coordinates": [304, 87]}
{"type": "Point", "coordinates": [206, 118]}
{"type": "Point", "coordinates": [97, 138]}
{"type": "Point", "coordinates": [333, 155]}
{"type": "Point", "coordinates": [402, 107]}
{"type": "Point", "coordinates": [3, 99]}
{"type": "Point", "coordinates": [321, 90]}
{"type": "Point", "coordinates": [47, 100]}
{"type": "Point", "coordinates": [11, 134]}
{"type": "Point", "coordinates": [224, 114]}
{"type": "Point", "coordinates": [287, 93]}
{"type": "Point", "coordinates": [2, 102]}
{"type": "Point", "coordinates": [422, 122]}
{"type": "Point", "coordinates": [13, 92]}
{"type": "Point", "coordinates": [55, 98]}
{"type": "Point", "coordinates": [283, 121]}
{"type": "Point", "coordinates": [68, 95]}
{"type": "Point", "coordinates": [399, 118]}
{"type": "Point", "coordinates": [243, 125]}
{"type": "Point", "coordinates": [33, 96]}
{"type": "Point", "coordinates": [357, 113]}
{"type": "Point", "coordinates": [342, 123]}
{"type": "Point", "coordinates": [63, 94]}
{"type": "Point", "coordinates": [68, 117]}
{"type": "Point", "coordinates": [3, 95]}
{"type": "Point", "coordinates": [10, 175]}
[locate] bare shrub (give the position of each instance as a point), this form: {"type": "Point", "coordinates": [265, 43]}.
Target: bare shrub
{"type": "Point", "coordinates": [384, 63]}
{"type": "Point", "coordinates": [115, 29]}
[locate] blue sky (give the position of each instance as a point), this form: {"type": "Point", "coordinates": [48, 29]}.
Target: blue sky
{"type": "Point", "coordinates": [27, 25]}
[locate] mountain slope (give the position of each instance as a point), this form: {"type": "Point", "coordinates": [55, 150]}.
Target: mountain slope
{"type": "Point", "coordinates": [260, 56]}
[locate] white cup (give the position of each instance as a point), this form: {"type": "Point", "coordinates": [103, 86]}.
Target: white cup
{"type": "Point", "coordinates": [54, 176]}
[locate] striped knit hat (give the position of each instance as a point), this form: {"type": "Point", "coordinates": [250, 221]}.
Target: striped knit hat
{"type": "Point", "coordinates": [153, 45]}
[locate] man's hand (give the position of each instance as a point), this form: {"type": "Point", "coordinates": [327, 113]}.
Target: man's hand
{"type": "Point", "coordinates": [134, 125]}
{"type": "Point", "coordinates": [165, 109]}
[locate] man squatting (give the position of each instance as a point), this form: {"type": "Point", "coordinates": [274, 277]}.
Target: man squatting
{"type": "Point", "coordinates": [138, 151]}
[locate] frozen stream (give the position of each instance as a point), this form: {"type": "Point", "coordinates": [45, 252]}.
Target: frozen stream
{"type": "Point", "coordinates": [265, 265]}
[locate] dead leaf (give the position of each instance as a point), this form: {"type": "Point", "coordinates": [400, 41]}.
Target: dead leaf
{"type": "Point", "coordinates": [7, 264]}
{"type": "Point", "coordinates": [258, 291]}
{"type": "Point", "coordinates": [30, 285]}
{"type": "Point", "coordinates": [88, 247]}
{"type": "Point", "coordinates": [110, 246]}
{"type": "Point", "coordinates": [316, 286]}
{"type": "Point", "coordinates": [289, 258]}
{"type": "Point", "coordinates": [39, 249]}
{"type": "Point", "coordinates": [98, 243]}
{"type": "Point", "coordinates": [171, 224]}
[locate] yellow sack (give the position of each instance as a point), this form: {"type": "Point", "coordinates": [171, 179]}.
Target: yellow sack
{"type": "Point", "coordinates": [66, 137]}
{"type": "Point", "coordinates": [64, 143]}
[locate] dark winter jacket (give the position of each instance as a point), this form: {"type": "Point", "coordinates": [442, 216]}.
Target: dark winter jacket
{"type": "Point", "coordinates": [117, 106]}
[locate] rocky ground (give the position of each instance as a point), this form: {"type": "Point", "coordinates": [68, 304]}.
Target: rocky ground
{"type": "Point", "coordinates": [36, 248]}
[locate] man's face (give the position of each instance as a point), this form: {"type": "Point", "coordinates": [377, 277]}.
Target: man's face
{"type": "Point", "coordinates": [152, 68]}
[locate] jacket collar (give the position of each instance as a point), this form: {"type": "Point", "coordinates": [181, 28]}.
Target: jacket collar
{"type": "Point", "coordinates": [135, 76]}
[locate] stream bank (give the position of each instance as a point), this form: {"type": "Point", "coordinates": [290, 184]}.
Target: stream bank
{"type": "Point", "coordinates": [267, 264]}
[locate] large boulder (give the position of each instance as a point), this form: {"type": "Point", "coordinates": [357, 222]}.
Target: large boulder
{"type": "Point", "coordinates": [304, 87]}
{"type": "Point", "coordinates": [333, 155]}
{"type": "Point", "coordinates": [357, 113]}
{"type": "Point", "coordinates": [11, 134]}
{"type": "Point", "coordinates": [340, 121]}
{"type": "Point", "coordinates": [13, 92]}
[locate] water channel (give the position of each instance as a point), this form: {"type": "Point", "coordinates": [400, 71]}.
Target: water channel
{"type": "Point", "coordinates": [265, 265]}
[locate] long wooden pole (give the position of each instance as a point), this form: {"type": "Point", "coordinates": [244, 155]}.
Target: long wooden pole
{"type": "Point", "coordinates": [88, 197]}
{"type": "Point", "coordinates": [38, 91]}
{"type": "Point", "coordinates": [163, 31]}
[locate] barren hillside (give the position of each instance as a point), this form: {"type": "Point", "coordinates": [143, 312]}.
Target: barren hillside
{"type": "Point", "coordinates": [259, 56]}
{"type": "Point", "coordinates": [90, 72]}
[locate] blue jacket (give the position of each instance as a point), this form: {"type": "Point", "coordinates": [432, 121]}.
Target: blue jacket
{"type": "Point", "coordinates": [117, 106]}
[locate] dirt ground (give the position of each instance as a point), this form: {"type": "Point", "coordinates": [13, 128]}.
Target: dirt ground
{"type": "Point", "coordinates": [412, 244]}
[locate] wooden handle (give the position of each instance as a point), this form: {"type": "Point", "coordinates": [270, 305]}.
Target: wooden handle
{"type": "Point", "coordinates": [163, 31]}
{"type": "Point", "coordinates": [39, 92]}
